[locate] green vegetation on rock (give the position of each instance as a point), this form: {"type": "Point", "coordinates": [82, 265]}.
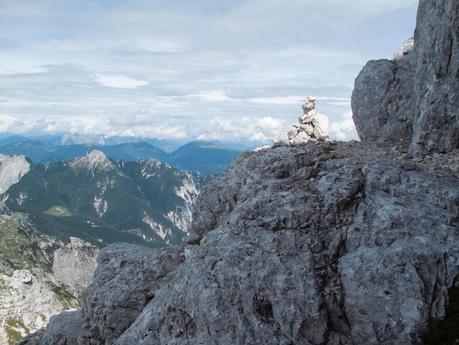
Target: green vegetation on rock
{"type": "Point", "coordinates": [20, 245]}
{"type": "Point", "coordinates": [67, 300]}
{"type": "Point", "coordinates": [15, 329]}
{"type": "Point", "coordinates": [104, 202]}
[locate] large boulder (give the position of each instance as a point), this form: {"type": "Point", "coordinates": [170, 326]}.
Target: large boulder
{"type": "Point", "coordinates": [414, 98]}
{"type": "Point", "coordinates": [126, 280]}
{"type": "Point", "coordinates": [62, 330]}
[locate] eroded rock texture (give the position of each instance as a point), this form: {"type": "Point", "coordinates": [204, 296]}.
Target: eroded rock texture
{"type": "Point", "coordinates": [415, 97]}
{"type": "Point", "coordinates": [319, 244]}
{"type": "Point", "coordinates": [314, 244]}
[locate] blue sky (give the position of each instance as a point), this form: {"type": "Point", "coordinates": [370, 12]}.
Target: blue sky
{"type": "Point", "coordinates": [230, 70]}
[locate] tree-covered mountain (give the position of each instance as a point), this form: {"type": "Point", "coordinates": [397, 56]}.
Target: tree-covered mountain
{"type": "Point", "coordinates": [102, 201]}
{"type": "Point", "coordinates": [199, 156]}
{"type": "Point", "coordinates": [49, 213]}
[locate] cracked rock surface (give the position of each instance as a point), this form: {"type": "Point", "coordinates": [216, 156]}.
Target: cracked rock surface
{"type": "Point", "coordinates": [350, 243]}
{"type": "Point", "coordinates": [319, 243]}
{"type": "Point", "coordinates": [415, 97]}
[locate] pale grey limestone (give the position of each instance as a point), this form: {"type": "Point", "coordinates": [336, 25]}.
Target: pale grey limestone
{"type": "Point", "coordinates": [74, 265]}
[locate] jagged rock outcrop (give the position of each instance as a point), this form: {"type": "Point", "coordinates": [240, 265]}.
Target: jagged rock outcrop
{"type": "Point", "coordinates": [29, 297]}
{"type": "Point", "coordinates": [12, 169]}
{"type": "Point", "coordinates": [74, 265]}
{"type": "Point", "coordinates": [321, 243]}
{"type": "Point", "coordinates": [29, 292]}
{"type": "Point", "coordinates": [311, 126]}
{"type": "Point", "coordinates": [415, 97]}
{"type": "Point", "coordinates": [126, 280]}
{"type": "Point", "coordinates": [62, 330]}
{"type": "Point", "coordinates": [27, 300]}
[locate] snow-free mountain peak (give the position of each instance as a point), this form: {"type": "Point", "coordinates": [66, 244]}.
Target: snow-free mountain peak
{"type": "Point", "coordinates": [93, 161]}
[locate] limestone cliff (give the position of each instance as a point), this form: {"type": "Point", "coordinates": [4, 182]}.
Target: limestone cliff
{"type": "Point", "coordinates": [321, 243]}
{"type": "Point", "coordinates": [29, 291]}
{"type": "Point", "coordinates": [415, 97]}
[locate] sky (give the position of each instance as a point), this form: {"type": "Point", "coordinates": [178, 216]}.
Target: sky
{"type": "Point", "coordinates": [233, 70]}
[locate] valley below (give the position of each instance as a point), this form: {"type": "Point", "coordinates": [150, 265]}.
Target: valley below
{"type": "Point", "coordinates": [55, 217]}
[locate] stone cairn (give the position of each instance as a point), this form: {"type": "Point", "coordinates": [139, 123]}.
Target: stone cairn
{"type": "Point", "coordinates": [312, 126]}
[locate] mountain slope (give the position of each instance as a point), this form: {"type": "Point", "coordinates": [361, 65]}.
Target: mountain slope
{"type": "Point", "coordinates": [12, 169]}
{"type": "Point", "coordinates": [103, 202]}
{"type": "Point", "coordinates": [29, 292]}
{"type": "Point", "coordinates": [322, 243]}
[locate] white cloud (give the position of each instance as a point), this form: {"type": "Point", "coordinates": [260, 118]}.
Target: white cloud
{"type": "Point", "coordinates": [270, 123]}
{"type": "Point", "coordinates": [344, 129]}
{"type": "Point", "coordinates": [242, 128]}
{"type": "Point", "coordinates": [119, 81]}
{"type": "Point", "coordinates": [278, 100]}
{"type": "Point", "coordinates": [198, 71]}
{"type": "Point", "coordinates": [212, 96]}
{"type": "Point", "coordinates": [7, 123]}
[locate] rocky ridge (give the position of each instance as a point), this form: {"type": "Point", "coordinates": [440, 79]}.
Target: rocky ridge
{"type": "Point", "coordinates": [415, 97]}
{"type": "Point", "coordinates": [316, 244]}
{"type": "Point", "coordinates": [322, 243]}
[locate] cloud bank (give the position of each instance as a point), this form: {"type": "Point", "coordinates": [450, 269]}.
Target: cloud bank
{"type": "Point", "coordinates": [228, 69]}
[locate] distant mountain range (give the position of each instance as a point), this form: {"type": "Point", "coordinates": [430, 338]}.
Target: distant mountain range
{"type": "Point", "coordinates": [56, 192]}
{"type": "Point", "coordinates": [102, 201]}
{"type": "Point", "coordinates": [199, 156]}
{"type": "Point", "coordinates": [53, 218]}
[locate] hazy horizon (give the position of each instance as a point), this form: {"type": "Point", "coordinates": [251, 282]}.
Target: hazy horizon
{"type": "Point", "coordinates": [227, 70]}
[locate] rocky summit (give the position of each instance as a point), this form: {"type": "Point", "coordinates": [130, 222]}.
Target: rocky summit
{"type": "Point", "coordinates": [322, 243]}
{"type": "Point", "coordinates": [415, 97]}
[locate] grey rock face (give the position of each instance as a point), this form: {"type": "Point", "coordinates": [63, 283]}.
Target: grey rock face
{"type": "Point", "coordinates": [320, 244]}
{"type": "Point", "coordinates": [126, 280]}
{"type": "Point", "coordinates": [382, 101]}
{"type": "Point", "coordinates": [74, 265]}
{"type": "Point", "coordinates": [316, 250]}
{"type": "Point", "coordinates": [415, 97]}
{"type": "Point", "coordinates": [62, 330]}
{"type": "Point", "coordinates": [437, 84]}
